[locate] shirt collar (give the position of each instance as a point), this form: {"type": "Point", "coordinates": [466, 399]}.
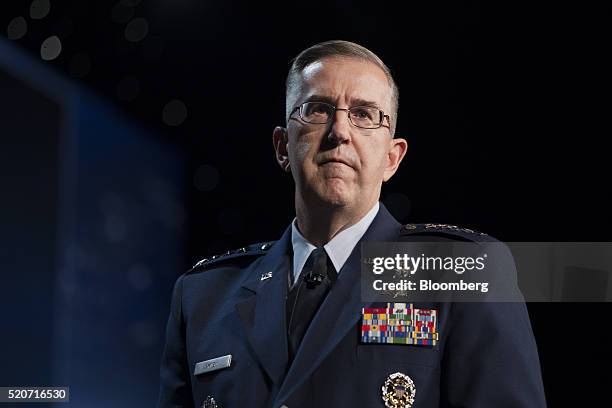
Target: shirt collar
{"type": "Point", "coordinates": [338, 249]}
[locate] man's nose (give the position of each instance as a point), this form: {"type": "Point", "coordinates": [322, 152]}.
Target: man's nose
{"type": "Point", "coordinates": [340, 131]}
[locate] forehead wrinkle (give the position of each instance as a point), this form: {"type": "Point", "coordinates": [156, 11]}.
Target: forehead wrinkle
{"type": "Point", "coordinates": [364, 92]}
{"type": "Point", "coordinates": [314, 81]}
{"type": "Point", "coordinates": [315, 93]}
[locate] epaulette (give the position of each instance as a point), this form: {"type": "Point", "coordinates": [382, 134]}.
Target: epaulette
{"type": "Point", "coordinates": [249, 250]}
{"type": "Point", "coordinates": [445, 229]}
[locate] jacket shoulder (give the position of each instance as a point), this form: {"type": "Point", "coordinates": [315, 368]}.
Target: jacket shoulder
{"type": "Point", "coordinates": [252, 251]}
{"type": "Point", "coordinates": [447, 231]}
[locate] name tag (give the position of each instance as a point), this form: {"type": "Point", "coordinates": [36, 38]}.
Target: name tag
{"type": "Point", "coordinates": [213, 364]}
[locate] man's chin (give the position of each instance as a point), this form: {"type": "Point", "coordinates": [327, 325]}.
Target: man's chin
{"type": "Point", "coordinates": [333, 194]}
{"type": "Point", "coordinates": [336, 198]}
{"type": "Point", "coordinates": [337, 202]}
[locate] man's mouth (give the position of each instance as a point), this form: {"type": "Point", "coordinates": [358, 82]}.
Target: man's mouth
{"type": "Point", "coordinates": [337, 160]}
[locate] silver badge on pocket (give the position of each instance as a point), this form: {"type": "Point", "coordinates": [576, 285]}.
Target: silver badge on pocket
{"type": "Point", "coordinates": [398, 391]}
{"type": "Point", "coordinates": [210, 403]}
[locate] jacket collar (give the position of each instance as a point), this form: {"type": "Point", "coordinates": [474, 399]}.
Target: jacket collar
{"type": "Point", "coordinates": [263, 312]}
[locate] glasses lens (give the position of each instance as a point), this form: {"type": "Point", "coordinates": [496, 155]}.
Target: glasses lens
{"type": "Point", "coordinates": [316, 112]}
{"type": "Point", "coordinates": [365, 117]}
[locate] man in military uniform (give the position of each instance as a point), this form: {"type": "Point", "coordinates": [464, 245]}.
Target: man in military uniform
{"type": "Point", "coordinates": [281, 323]}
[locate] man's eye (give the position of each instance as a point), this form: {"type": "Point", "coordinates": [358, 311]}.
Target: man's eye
{"type": "Point", "coordinates": [362, 114]}
{"type": "Point", "coordinates": [317, 109]}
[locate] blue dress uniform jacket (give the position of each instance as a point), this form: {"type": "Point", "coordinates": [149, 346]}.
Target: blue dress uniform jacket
{"type": "Point", "coordinates": [235, 304]}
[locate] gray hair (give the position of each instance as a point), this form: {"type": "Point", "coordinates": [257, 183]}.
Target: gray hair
{"type": "Point", "coordinates": [338, 48]}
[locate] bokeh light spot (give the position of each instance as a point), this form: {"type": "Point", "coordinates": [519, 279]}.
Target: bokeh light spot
{"type": "Point", "coordinates": [206, 178]}
{"type": "Point", "coordinates": [39, 9]}
{"type": "Point", "coordinates": [174, 113]}
{"type": "Point", "coordinates": [17, 28]}
{"type": "Point", "coordinates": [51, 48]}
{"type": "Point", "coordinates": [137, 29]}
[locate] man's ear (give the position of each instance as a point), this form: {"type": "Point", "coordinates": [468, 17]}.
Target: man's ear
{"type": "Point", "coordinates": [280, 140]}
{"type": "Point", "coordinates": [397, 150]}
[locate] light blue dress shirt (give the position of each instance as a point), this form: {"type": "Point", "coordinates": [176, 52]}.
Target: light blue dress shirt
{"type": "Point", "coordinates": [338, 249]}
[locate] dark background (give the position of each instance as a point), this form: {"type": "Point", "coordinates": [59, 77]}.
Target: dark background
{"type": "Point", "coordinates": [505, 108]}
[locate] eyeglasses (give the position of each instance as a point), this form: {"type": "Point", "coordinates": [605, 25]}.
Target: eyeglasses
{"type": "Point", "coordinates": [365, 117]}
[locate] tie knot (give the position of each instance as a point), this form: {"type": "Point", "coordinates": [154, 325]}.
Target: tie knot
{"type": "Point", "coordinates": [318, 267]}
{"type": "Point", "coordinates": [319, 258]}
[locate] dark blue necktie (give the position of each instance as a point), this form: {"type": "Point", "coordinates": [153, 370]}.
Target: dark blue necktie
{"type": "Point", "coordinates": [303, 301]}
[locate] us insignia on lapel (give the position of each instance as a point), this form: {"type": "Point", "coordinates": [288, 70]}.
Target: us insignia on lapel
{"type": "Point", "coordinates": [399, 323]}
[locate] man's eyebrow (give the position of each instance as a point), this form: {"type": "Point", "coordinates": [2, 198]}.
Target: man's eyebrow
{"type": "Point", "coordinates": [363, 102]}
{"type": "Point", "coordinates": [354, 101]}
{"type": "Point", "coordinates": [319, 98]}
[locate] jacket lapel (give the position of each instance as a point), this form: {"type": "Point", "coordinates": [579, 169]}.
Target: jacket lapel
{"type": "Point", "coordinates": [263, 312]}
{"type": "Point", "coordinates": [339, 312]}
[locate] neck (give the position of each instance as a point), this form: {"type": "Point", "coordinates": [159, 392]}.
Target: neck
{"type": "Point", "coordinates": [320, 223]}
